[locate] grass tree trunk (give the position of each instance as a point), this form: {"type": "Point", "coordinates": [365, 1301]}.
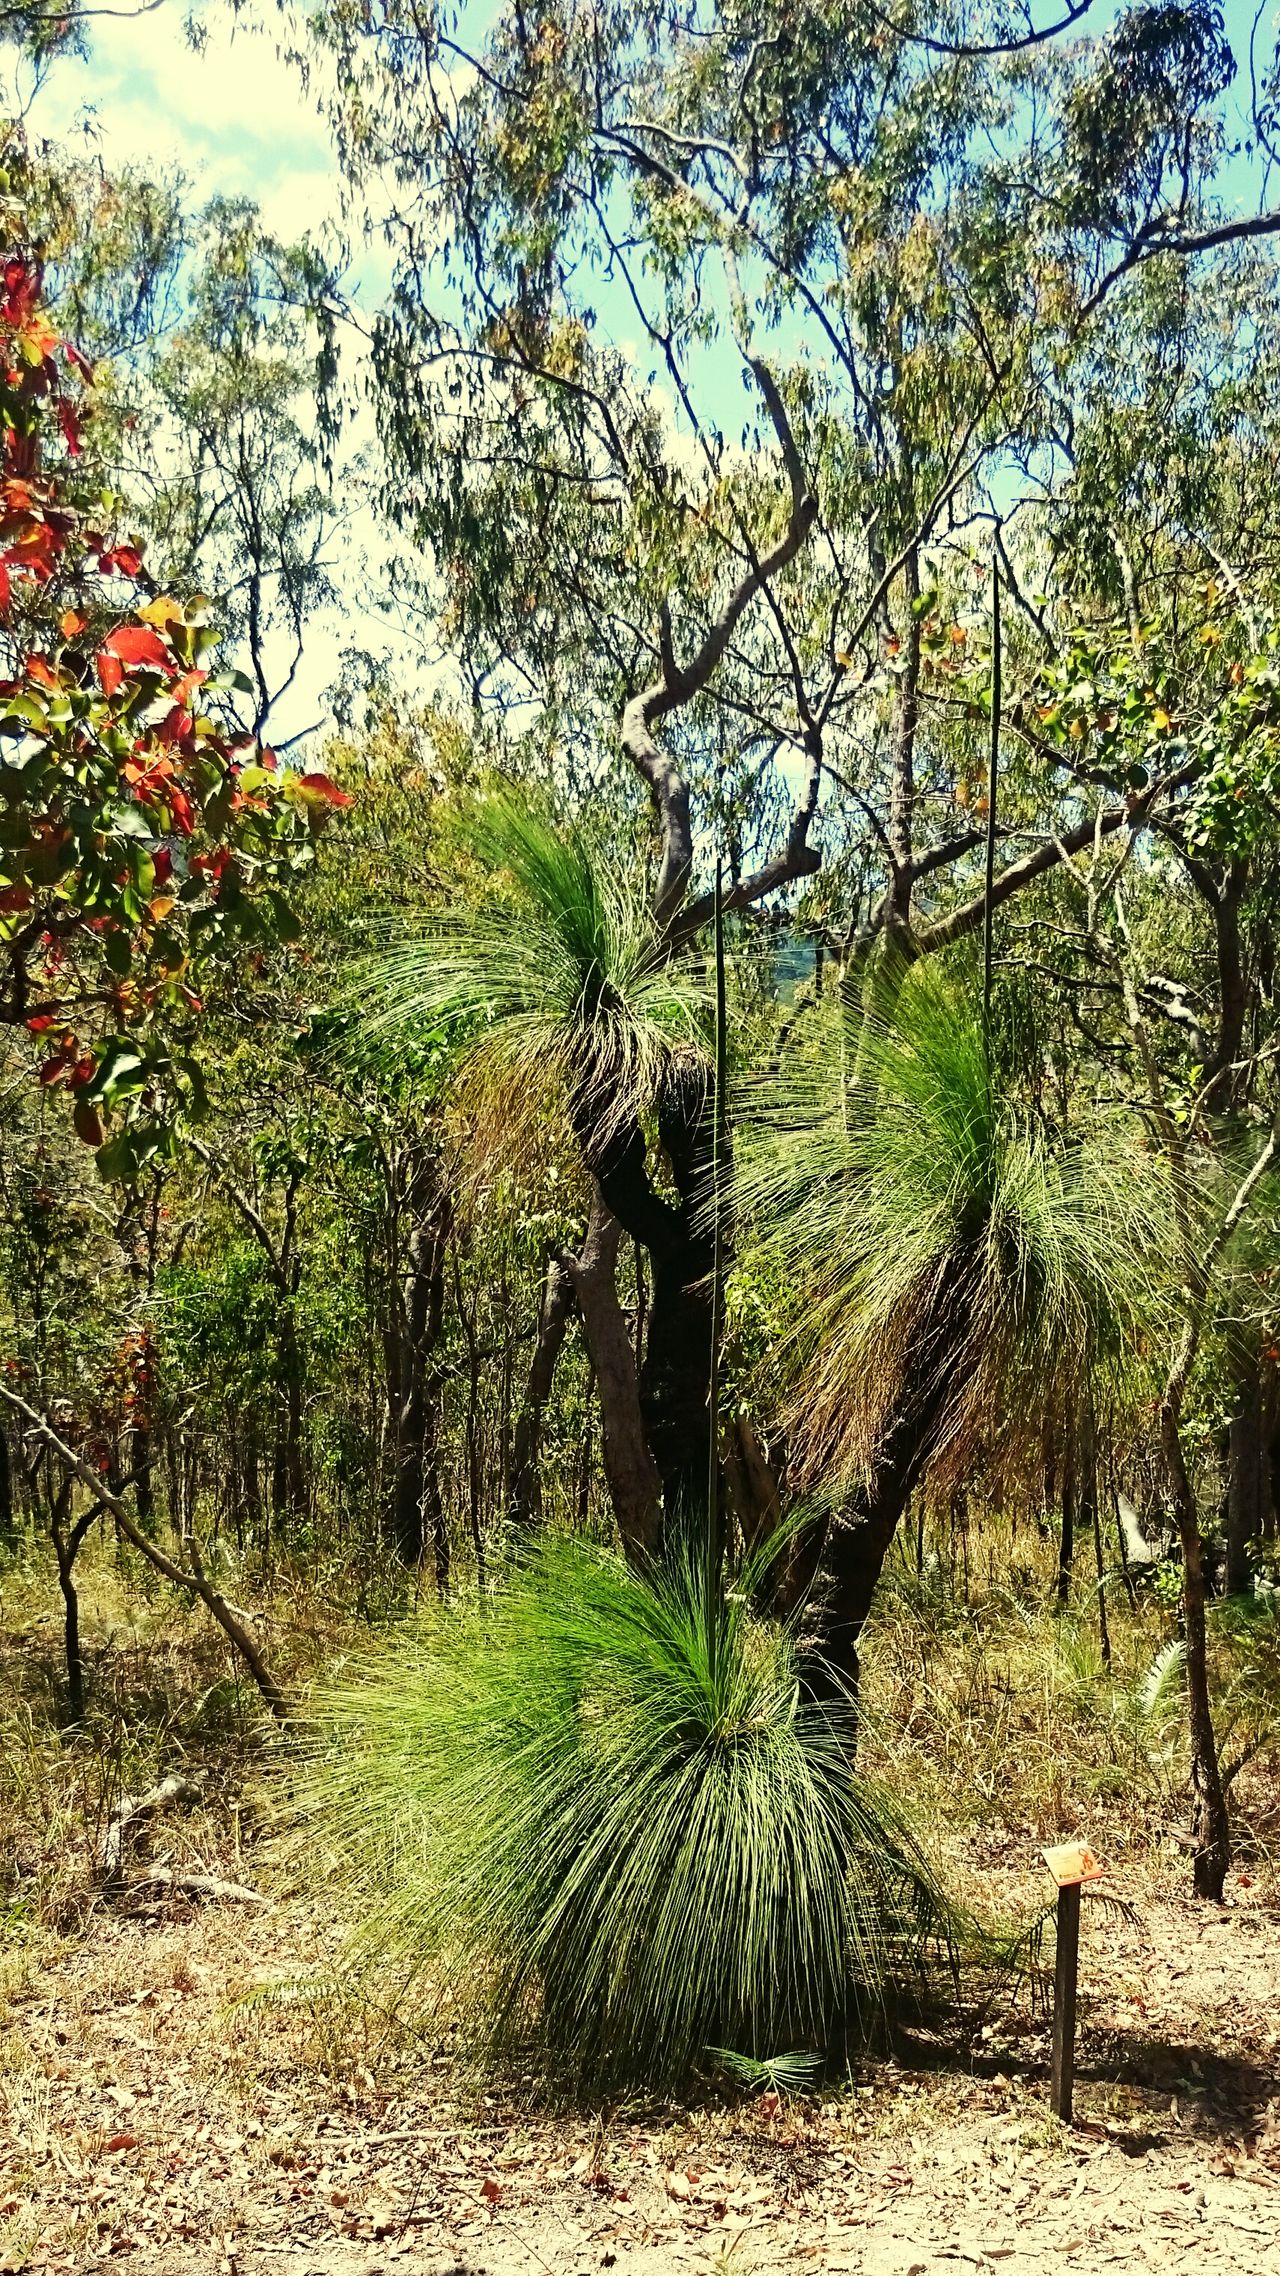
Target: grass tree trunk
{"type": "Point", "coordinates": [675, 1378]}
{"type": "Point", "coordinates": [860, 1535]}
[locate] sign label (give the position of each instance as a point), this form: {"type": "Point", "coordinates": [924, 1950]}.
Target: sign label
{"type": "Point", "coordinates": [1072, 1864]}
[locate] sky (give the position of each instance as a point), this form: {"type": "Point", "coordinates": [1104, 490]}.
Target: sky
{"type": "Point", "coordinates": [236, 119]}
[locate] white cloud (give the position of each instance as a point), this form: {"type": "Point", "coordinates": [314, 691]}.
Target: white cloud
{"type": "Point", "coordinates": [233, 115]}
{"type": "Point", "coordinates": [236, 119]}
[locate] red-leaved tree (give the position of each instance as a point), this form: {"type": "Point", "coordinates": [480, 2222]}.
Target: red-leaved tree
{"type": "Point", "coordinates": [140, 835]}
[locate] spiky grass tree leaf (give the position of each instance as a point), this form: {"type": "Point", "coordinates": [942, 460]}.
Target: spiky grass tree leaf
{"type": "Point", "coordinates": [609, 1843]}
{"type": "Point", "coordinates": [948, 1253]}
{"type": "Point", "coordinates": [1160, 1689]}
{"type": "Point", "coordinates": [796, 2071]}
{"type": "Point", "coordinates": [550, 979]}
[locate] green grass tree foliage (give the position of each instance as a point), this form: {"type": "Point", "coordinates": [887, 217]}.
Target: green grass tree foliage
{"type": "Point", "coordinates": [550, 976]}
{"type": "Point", "coordinates": [560, 989]}
{"type": "Point", "coordinates": [613, 1830]}
{"type": "Point", "coordinates": [953, 1275]}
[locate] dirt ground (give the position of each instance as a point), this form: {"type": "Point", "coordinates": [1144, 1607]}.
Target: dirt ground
{"type": "Point", "coordinates": [149, 2121]}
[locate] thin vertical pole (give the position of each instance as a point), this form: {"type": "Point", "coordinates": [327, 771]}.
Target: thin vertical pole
{"type": "Point", "coordinates": [715, 1514]}
{"type": "Point", "coordinates": [1066, 1969]}
{"type": "Point", "coordinates": [993, 774]}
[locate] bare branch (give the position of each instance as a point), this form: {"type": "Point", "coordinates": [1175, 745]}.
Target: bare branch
{"type": "Point", "coordinates": [198, 1584]}
{"type": "Point", "coordinates": [969, 916]}
{"type": "Point", "coordinates": [679, 684]}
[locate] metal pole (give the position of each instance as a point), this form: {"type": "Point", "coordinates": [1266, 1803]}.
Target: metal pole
{"type": "Point", "coordinates": [719, 1125]}
{"type": "Point", "coordinates": [993, 784]}
{"type": "Point", "coordinates": [1066, 1968]}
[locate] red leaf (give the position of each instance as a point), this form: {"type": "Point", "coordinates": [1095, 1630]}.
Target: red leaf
{"type": "Point", "coordinates": [181, 808]}
{"type": "Point", "coordinates": [110, 672]}
{"type": "Point", "coordinates": [121, 2141]}
{"type": "Point", "coordinates": [16, 897]}
{"type": "Point", "coordinates": [70, 426]}
{"type": "Point", "coordinates": [128, 560]}
{"type": "Point", "coordinates": [69, 624]}
{"type": "Point", "coordinates": [6, 589]}
{"type": "Point", "coordinates": [41, 1023]}
{"type": "Point", "coordinates": [42, 672]}
{"type": "Point", "coordinates": [88, 1126]}
{"type": "Point", "coordinates": [138, 644]}
{"type": "Point", "coordinates": [320, 786]}
{"type": "Point", "coordinates": [491, 2189]}
{"type": "Point", "coordinates": [53, 1069]}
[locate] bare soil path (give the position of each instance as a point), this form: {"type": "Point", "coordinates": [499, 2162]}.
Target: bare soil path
{"type": "Point", "coordinates": [148, 2123]}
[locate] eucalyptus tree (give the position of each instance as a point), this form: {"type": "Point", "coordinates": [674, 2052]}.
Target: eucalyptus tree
{"type": "Point", "coordinates": [1159, 948]}
{"type": "Point", "coordinates": [224, 459]}
{"type": "Point", "coordinates": [719, 352]}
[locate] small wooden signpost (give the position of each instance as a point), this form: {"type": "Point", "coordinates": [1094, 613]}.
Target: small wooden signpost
{"type": "Point", "coordinates": [1071, 1866]}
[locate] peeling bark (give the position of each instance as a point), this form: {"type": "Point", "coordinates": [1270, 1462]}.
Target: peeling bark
{"type": "Point", "coordinates": [632, 1474]}
{"type": "Point", "coordinates": [554, 1314]}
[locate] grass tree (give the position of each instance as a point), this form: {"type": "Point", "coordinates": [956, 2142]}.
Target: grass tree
{"type": "Point", "coordinates": [953, 1275]}
{"type": "Point", "coordinates": [562, 995]}
{"type": "Point", "coordinates": [598, 1819]}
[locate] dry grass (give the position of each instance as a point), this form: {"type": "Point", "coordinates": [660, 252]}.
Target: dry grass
{"type": "Point", "coordinates": [164, 1693]}
{"type": "Point", "coordinates": [988, 1706]}
{"type": "Point", "coordinates": [297, 2126]}
{"type": "Point", "coordinates": [994, 1709]}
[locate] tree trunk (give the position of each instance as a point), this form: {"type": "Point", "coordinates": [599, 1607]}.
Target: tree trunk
{"type": "Point", "coordinates": [142, 1466]}
{"type": "Point", "coordinates": [754, 1482]}
{"type": "Point", "coordinates": [229, 1619]}
{"type": "Point", "coordinates": [1070, 1487]}
{"type": "Point", "coordinates": [674, 1405]}
{"type": "Point", "coordinates": [858, 1538]}
{"type": "Point", "coordinates": [8, 1515]}
{"type": "Point", "coordinates": [71, 1640]}
{"type": "Point", "coordinates": [416, 1513]}
{"type": "Point", "coordinates": [1099, 1563]}
{"type": "Point", "coordinates": [1244, 1473]}
{"type": "Point", "coordinates": [635, 1486]}
{"type": "Point", "coordinates": [66, 1548]}
{"type": "Point", "coordinates": [675, 1379]}
{"type": "Point", "coordinates": [413, 1324]}
{"type": "Point", "coordinates": [1210, 1824]}
{"type": "Point", "coordinates": [554, 1313]}
{"type": "Point", "coordinates": [289, 1484]}
{"type": "Point", "coordinates": [857, 1542]}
